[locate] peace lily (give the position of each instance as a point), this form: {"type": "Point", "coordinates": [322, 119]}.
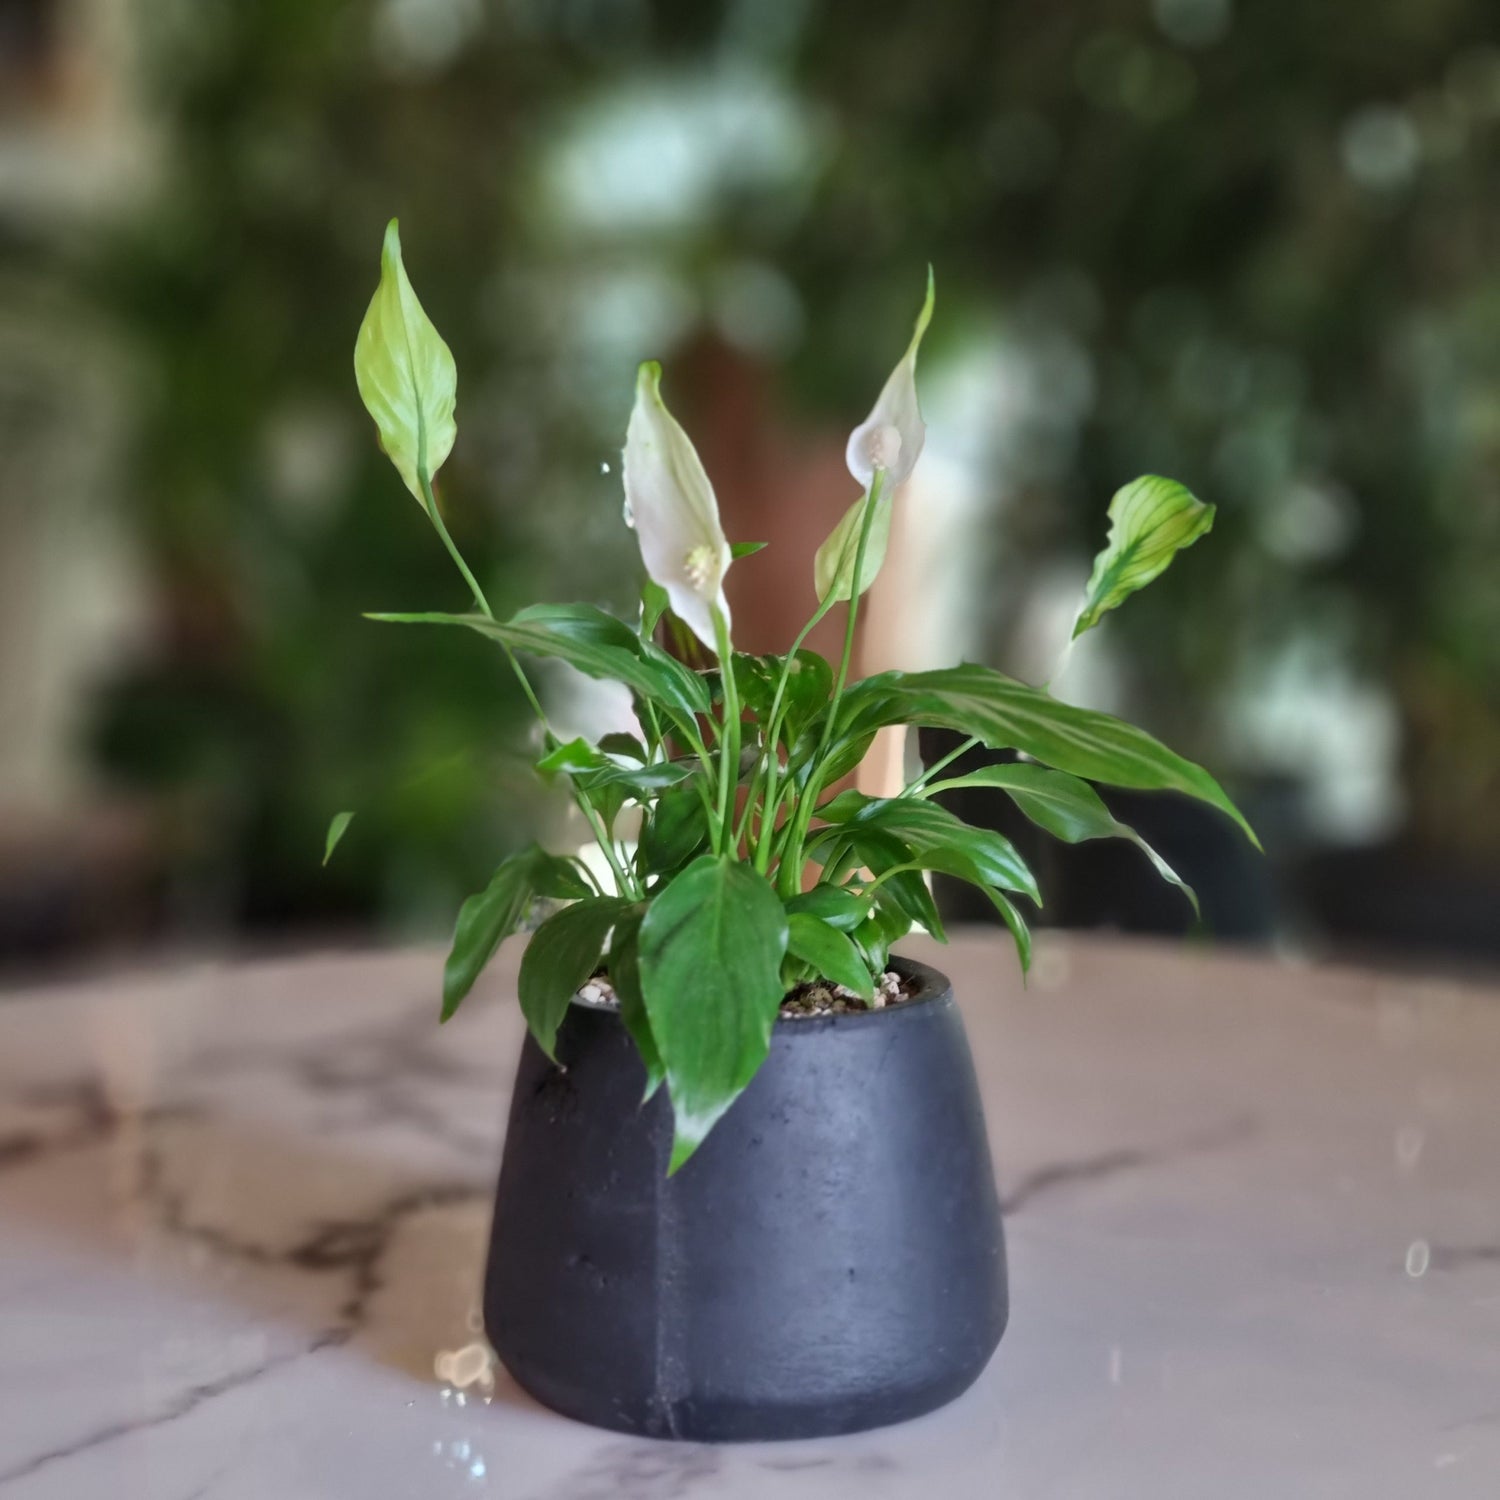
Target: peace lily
{"type": "Point", "coordinates": [695, 909]}
{"type": "Point", "coordinates": [881, 454]}
{"type": "Point", "coordinates": [670, 503]}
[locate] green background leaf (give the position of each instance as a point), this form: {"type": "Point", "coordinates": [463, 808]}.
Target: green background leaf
{"type": "Point", "coordinates": [336, 830]}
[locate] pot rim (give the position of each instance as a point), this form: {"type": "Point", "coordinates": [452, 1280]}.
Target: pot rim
{"type": "Point", "coordinates": [933, 988]}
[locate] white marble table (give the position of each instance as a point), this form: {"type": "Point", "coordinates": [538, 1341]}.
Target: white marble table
{"type": "Point", "coordinates": [1254, 1225]}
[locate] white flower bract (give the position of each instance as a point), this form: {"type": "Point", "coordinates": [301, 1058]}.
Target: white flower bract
{"type": "Point", "coordinates": [671, 504]}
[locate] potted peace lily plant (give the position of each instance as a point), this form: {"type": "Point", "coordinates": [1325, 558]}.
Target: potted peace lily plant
{"type": "Point", "coordinates": [746, 1190]}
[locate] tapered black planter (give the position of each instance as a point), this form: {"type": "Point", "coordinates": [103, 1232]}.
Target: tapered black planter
{"type": "Point", "coordinates": [831, 1259]}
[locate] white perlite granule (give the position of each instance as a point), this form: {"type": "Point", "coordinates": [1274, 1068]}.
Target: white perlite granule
{"type": "Point", "coordinates": [807, 1001]}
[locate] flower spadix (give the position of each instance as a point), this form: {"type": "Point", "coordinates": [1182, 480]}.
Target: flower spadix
{"type": "Point", "coordinates": [887, 443]}
{"type": "Point", "coordinates": [670, 503]}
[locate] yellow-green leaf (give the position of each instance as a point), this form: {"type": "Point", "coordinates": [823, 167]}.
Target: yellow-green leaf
{"type": "Point", "coordinates": [833, 567]}
{"type": "Point", "coordinates": [1151, 521]}
{"type": "Point", "coordinates": [406, 375]}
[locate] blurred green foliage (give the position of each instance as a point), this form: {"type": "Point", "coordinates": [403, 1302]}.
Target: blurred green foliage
{"type": "Point", "coordinates": [1253, 247]}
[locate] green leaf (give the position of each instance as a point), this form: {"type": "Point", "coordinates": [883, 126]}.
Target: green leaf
{"type": "Point", "coordinates": [485, 920]}
{"type": "Point", "coordinates": [624, 967]}
{"type": "Point", "coordinates": [840, 908]}
{"type": "Point", "coordinates": [879, 852]}
{"type": "Point", "coordinates": [1016, 922]}
{"type": "Point", "coordinates": [711, 947]}
{"type": "Point", "coordinates": [626, 745]}
{"type": "Point", "coordinates": [833, 567]}
{"type": "Point", "coordinates": [747, 549]}
{"type": "Point", "coordinates": [886, 924]}
{"type": "Point", "coordinates": [336, 830]}
{"type": "Point", "coordinates": [595, 771]}
{"type": "Point", "coordinates": [562, 954]}
{"type": "Point", "coordinates": [571, 757]}
{"type": "Point", "coordinates": [809, 682]}
{"type": "Point", "coordinates": [829, 951]}
{"type": "Point", "coordinates": [842, 756]}
{"type": "Point", "coordinates": [676, 830]}
{"type": "Point", "coordinates": [1007, 715]}
{"type": "Point", "coordinates": [1067, 808]}
{"type": "Point", "coordinates": [1151, 521]}
{"type": "Point", "coordinates": [405, 373]}
{"type": "Point", "coordinates": [654, 604]}
{"type": "Point", "coordinates": [938, 840]}
{"type": "Point", "coordinates": [597, 644]}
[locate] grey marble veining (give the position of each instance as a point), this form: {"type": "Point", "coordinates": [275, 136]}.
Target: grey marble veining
{"type": "Point", "coordinates": [1254, 1220]}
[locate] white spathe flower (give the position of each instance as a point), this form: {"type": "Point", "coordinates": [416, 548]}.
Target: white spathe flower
{"type": "Point", "coordinates": [889, 441]}
{"type": "Point", "coordinates": [891, 437]}
{"type": "Point", "coordinates": [671, 505]}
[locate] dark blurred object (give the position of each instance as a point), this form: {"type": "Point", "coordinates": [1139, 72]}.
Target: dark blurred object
{"type": "Point", "coordinates": [75, 887]}
{"type": "Point", "coordinates": [1396, 898]}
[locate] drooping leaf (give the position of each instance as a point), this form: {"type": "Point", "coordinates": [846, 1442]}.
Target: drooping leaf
{"type": "Point", "coordinates": [1008, 715]}
{"type": "Point", "coordinates": [624, 968]}
{"type": "Point", "coordinates": [336, 830]}
{"type": "Point", "coordinates": [563, 952]}
{"type": "Point", "coordinates": [405, 373]}
{"type": "Point", "coordinates": [1016, 922]}
{"type": "Point", "coordinates": [1151, 521]}
{"type": "Point", "coordinates": [1066, 807]}
{"type": "Point", "coordinates": [937, 838]}
{"type": "Point", "coordinates": [832, 904]}
{"type": "Point", "coordinates": [711, 947]}
{"type": "Point", "coordinates": [597, 644]}
{"type": "Point", "coordinates": [485, 920]}
{"type": "Point", "coordinates": [829, 951]}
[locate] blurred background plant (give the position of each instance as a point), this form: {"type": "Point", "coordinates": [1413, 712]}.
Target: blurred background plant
{"type": "Point", "coordinates": [1252, 247]}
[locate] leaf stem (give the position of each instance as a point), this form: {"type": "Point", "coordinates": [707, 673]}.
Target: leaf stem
{"type": "Point", "coordinates": [726, 841]}
{"type": "Point", "coordinates": [625, 885]}
{"type": "Point", "coordinates": [771, 754]}
{"type": "Point", "coordinates": [920, 783]}
{"type": "Point", "coordinates": [789, 877]}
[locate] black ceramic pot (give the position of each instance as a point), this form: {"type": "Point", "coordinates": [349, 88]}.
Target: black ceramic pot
{"type": "Point", "coordinates": [830, 1259]}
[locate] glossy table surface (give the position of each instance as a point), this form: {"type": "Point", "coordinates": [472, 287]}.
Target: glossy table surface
{"type": "Point", "coordinates": [1254, 1222]}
